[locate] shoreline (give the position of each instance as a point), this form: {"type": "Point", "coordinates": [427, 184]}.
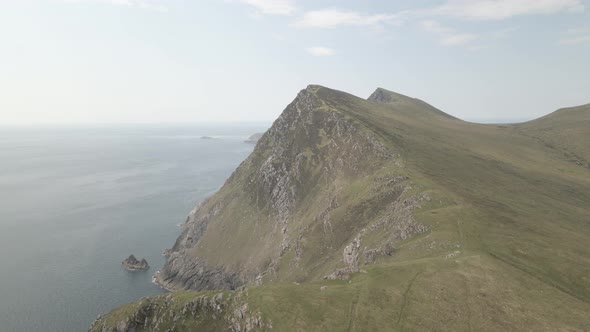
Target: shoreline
{"type": "Point", "coordinates": [132, 269]}
{"type": "Point", "coordinates": [158, 283]}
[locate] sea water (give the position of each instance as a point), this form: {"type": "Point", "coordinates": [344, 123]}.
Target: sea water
{"type": "Point", "coordinates": [77, 200]}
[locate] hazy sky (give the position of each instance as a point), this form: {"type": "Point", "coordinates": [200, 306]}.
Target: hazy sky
{"type": "Point", "coordinates": [245, 60]}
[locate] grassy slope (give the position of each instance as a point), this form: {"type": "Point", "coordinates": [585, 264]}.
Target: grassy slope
{"type": "Point", "coordinates": [529, 205]}
{"type": "Point", "coordinates": [508, 251]}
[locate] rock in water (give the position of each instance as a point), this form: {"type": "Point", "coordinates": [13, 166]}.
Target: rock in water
{"type": "Point", "coordinates": [133, 264]}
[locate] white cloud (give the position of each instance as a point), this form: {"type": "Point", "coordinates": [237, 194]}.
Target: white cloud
{"type": "Point", "coordinates": [576, 40]}
{"type": "Point", "coordinates": [435, 27]}
{"type": "Point", "coordinates": [278, 36]}
{"type": "Point", "coordinates": [503, 9]}
{"type": "Point", "coordinates": [143, 4]}
{"type": "Point", "coordinates": [576, 36]}
{"type": "Point", "coordinates": [272, 7]}
{"type": "Point", "coordinates": [332, 18]}
{"type": "Point", "coordinates": [320, 51]}
{"type": "Point", "coordinates": [457, 39]}
{"type": "Point", "coordinates": [503, 33]}
{"type": "Point", "coordinates": [448, 36]}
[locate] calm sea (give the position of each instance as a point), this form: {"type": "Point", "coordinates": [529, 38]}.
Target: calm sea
{"type": "Point", "coordinates": [74, 202]}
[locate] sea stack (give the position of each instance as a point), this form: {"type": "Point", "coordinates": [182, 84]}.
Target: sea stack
{"type": "Point", "coordinates": [133, 264]}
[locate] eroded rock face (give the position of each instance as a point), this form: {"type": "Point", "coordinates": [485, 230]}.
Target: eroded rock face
{"type": "Point", "coordinates": [382, 96]}
{"type": "Point", "coordinates": [397, 223]}
{"type": "Point", "coordinates": [221, 312]}
{"type": "Point", "coordinates": [185, 272]}
{"type": "Point", "coordinates": [133, 264]}
{"type": "Point", "coordinates": [351, 253]}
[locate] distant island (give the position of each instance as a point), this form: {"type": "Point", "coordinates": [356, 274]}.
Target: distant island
{"type": "Point", "coordinates": [206, 137]}
{"type": "Point", "coordinates": [253, 139]}
{"type": "Point", "coordinates": [133, 264]}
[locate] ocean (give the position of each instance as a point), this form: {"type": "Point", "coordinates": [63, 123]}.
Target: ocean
{"type": "Point", "coordinates": [76, 201]}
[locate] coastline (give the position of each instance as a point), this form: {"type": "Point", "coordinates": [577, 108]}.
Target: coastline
{"type": "Point", "coordinates": [157, 282]}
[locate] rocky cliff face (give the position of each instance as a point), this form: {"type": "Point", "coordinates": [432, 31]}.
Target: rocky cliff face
{"type": "Point", "coordinates": [290, 210]}
{"type": "Point", "coordinates": [213, 312]}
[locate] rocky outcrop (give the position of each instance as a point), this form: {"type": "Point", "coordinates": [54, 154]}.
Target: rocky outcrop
{"type": "Point", "coordinates": [168, 313]}
{"type": "Point", "coordinates": [133, 264]}
{"type": "Point", "coordinates": [185, 272]}
{"type": "Point", "coordinates": [351, 253]}
{"type": "Point", "coordinates": [396, 224]}
{"type": "Point", "coordinates": [384, 96]}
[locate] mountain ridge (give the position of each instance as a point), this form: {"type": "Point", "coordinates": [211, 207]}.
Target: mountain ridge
{"type": "Point", "coordinates": [273, 173]}
{"type": "Point", "coordinates": [371, 214]}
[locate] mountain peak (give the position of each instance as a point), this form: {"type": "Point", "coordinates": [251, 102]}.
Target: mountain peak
{"type": "Point", "coordinates": [385, 96]}
{"type": "Point", "coordinates": [399, 101]}
{"type": "Point", "coordinates": [313, 88]}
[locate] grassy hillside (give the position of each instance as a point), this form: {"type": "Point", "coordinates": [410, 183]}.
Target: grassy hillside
{"type": "Point", "coordinates": [424, 221]}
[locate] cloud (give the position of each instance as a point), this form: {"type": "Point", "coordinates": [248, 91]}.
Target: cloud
{"type": "Point", "coordinates": [503, 9]}
{"type": "Point", "coordinates": [576, 36]}
{"type": "Point", "coordinates": [457, 39]}
{"type": "Point", "coordinates": [320, 51]}
{"type": "Point", "coordinates": [278, 36]}
{"type": "Point", "coordinates": [448, 36]}
{"type": "Point", "coordinates": [143, 4]}
{"type": "Point", "coordinates": [332, 18]}
{"type": "Point", "coordinates": [272, 7]}
{"type": "Point", "coordinates": [462, 9]}
{"type": "Point", "coordinates": [503, 33]}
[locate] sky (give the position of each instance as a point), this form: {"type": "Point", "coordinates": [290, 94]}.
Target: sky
{"type": "Point", "coordinates": [181, 61]}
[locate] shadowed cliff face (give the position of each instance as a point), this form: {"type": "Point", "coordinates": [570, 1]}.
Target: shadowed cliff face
{"type": "Point", "coordinates": [274, 214]}
{"type": "Point", "coordinates": [220, 311]}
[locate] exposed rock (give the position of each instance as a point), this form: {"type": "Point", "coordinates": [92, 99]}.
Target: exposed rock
{"type": "Point", "coordinates": [453, 254]}
{"type": "Point", "coordinates": [351, 253]}
{"type": "Point", "coordinates": [389, 181]}
{"type": "Point", "coordinates": [383, 96]}
{"type": "Point", "coordinates": [387, 249]}
{"type": "Point", "coordinates": [341, 274]}
{"type": "Point", "coordinates": [182, 271]}
{"type": "Point", "coordinates": [397, 222]}
{"type": "Point", "coordinates": [163, 313]}
{"type": "Point", "coordinates": [133, 264]}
